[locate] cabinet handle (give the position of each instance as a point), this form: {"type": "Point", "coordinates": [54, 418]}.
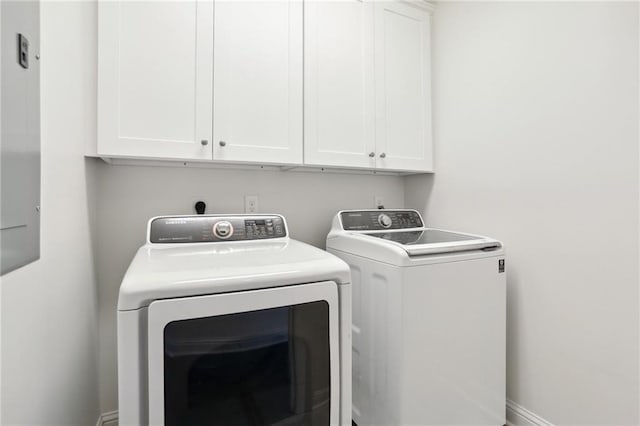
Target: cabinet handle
{"type": "Point", "coordinates": [204, 142]}
{"type": "Point", "coordinates": [223, 143]}
{"type": "Point", "coordinates": [372, 154]}
{"type": "Point", "coordinates": [383, 155]}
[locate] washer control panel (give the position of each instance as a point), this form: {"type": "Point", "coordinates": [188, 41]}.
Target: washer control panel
{"type": "Point", "coordinates": [209, 229]}
{"type": "Point", "coordinates": [379, 220]}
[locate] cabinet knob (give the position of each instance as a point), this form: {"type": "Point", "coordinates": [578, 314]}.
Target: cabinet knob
{"type": "Point", "coordinates": [372, 154]}
{"type": "Point", "coordinates": [383, 155]}
{"type": "Point", "coordinates": [204, 142]}
{"type": "Point", "coordinates": [223, 143]}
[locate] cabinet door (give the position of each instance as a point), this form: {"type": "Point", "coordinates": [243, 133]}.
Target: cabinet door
{"type": "Point", "coordinates": [258, 81]}
{"type": "Point", "coordinates": [403, 87]}
{"type": "Point", "coordinates": [339, 85]}
{"type": "Point", "coordinates": [155, 61]}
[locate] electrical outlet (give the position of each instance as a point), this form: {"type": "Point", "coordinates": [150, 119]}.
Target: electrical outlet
{"type": "Point", "coordinates": [251, 204]}
{"type": "Point", "coordinates": [378, 202]}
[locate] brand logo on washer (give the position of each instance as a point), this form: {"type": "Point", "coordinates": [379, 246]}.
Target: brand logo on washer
{"type": "Point", "coordinates": [500, 266]}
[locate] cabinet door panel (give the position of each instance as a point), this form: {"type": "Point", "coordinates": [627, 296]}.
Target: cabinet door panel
{"type": "Point", "coordinates": [258, 81]}
{"type": "Point", "coordinates": [154, 85]}
{"type": "Point", "coordinates": [403, 89]}
{"type": "Point", "coordinates": [339, 85]}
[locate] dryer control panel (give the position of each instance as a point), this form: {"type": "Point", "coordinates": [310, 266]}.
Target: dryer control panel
{"type": "Point", "coordinates": [210, 228]}
{"type": "Point", "coordinates": [380, 220]}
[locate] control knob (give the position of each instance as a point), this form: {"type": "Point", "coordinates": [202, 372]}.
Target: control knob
{"type": "Point", "coordinates": [384, 221]}
{"type": "Point", "coordinates": [223, 229]}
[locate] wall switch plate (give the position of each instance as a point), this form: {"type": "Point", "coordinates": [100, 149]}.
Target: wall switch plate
{"type": "Point", "coordinates": [378, 202]}
{"type": "Point", "coordinates": [251, 204]}
{"type": "Point", "coordinates": [23, 51]}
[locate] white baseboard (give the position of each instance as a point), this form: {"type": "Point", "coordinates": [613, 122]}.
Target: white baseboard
{"type": "Point", "coordinates": [517, 415]}
{"type": "Point", "coordinates": [108, 419]}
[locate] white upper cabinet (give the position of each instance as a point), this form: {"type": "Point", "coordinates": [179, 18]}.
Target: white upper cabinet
{"type": "Point", "coordinates": [403, 87]}
{"type": "Point", "coordinates": [155, 64]}
{"type": "Point", "coordinates": [339, 84]}
{"type": "Point", "coordinates": [257, 88]}
{"type": "Point", "coordinates": [368, 84]}
{"type": "Point", "coordinates": [223, 80]}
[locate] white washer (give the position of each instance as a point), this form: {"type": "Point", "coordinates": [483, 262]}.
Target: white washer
{"type": "Point", "coordinates": [225, 320]}
{"type": "Point", "coordinates": [429, 311]}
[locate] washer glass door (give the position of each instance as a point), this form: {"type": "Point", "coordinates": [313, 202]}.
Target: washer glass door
{"type": "Point", "coordinates": [247, 362]}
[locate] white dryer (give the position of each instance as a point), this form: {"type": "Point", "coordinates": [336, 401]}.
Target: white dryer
{"type": "Point", "coordinates": [429, 324]}
{"type": "Point", "coordinates": [226, 320]}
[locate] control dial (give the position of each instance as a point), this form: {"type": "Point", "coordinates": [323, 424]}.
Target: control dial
{"type": "Point", "coordinates": [384, 221]}
{"type": "Point", "coordinates": [223, 229]}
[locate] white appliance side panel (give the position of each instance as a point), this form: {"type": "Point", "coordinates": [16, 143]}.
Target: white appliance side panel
{"type": "Point", "coordinates": [429, 342]}
{"type": "Point", "coordinates": [132, 367]}
{"type": "Point", "coordinates": [452, 368]}
{"type": "Point", "coordinates": [345, 354]}
{"type": "Point", "coordinates": [376, 344]}
{"type": "Point", "coordinates": [162, 312]}
{"type": "Point", "coordinates": [357, 338]}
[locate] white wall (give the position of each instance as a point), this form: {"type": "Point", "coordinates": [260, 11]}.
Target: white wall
{"type": "Point", "coordinates": [49, 308]}
{"type": "Point", "coordinates": [129, 196]}
{"type": "Point", "coordinates": [536, 132]}
{"type": "Point", "coordinates": [536, 143]}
